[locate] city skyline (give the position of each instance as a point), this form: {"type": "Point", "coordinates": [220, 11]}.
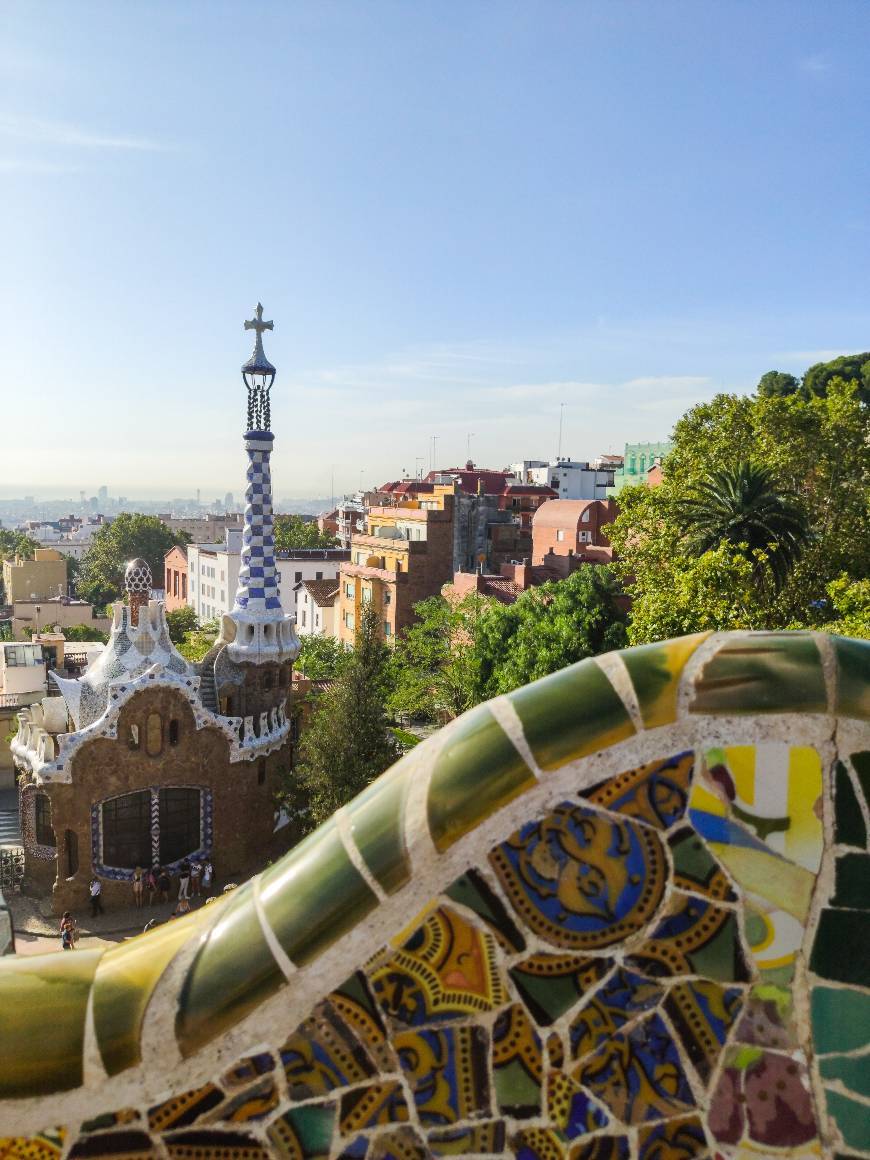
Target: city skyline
{"type": "Point", "coordinates": [458, 222]}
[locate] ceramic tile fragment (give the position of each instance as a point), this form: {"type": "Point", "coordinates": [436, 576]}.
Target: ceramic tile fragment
{"type": "Point", "coordinates": [476, 772]}
{"type": "Point", "coordinates": [656, 792]}
{"type": "Point", "coordinates": [355, 1009]}
{"type": "Point", "coordinates": [304, 1133]}
{"type": "Point", "coordinates": [838, 929]}
{"type": "Point", "coordinates": [314, 895]}
{"type": "Point", "coordinates": [637, 1075]}
{"type": "Point", "coordinates": [48, 1145]}
{"type": "Point", "coordinates": [479, 1140]}
{"type": "Point", "coordinates": [853, 688]}
{"type": "Point", "coordinates": [537, 1144]}
{"type": "Point", "coordinates": [367, 1107]}
{"type": "Point", "coordinates": [215, 1145]}
{"type": "Point", "coordinates": [767, 672]}
{"type": "Point", "coordinates": [571, 714]}
{"type": "Point", "coordinates": [581, 879]}
{"type": "Point", "coordinates": [233, 971]}
{"type": "Point", "coordinates": [696, 870]}
{"type": "Point", "coordinates": [551, 984]}
{"type": "Point", "coordinates": [841, 1019]}
{"type": "Point", "coordinates": [701, 1013]}
{"type": "Point", "coordinates": [110, 1120]}
{"type": "Point", "coordinates": [851, 1119]}
{"type": "Point", "coordinates": [254, 1103]}
{"type": "Point", "coordinates": [655, 671]}
{"type": "Point", "coordinates": [247, 1070]}
{"type": "Point", "coordinates": [763, 1098]}
{"type": "Point", "coordinates": [604, 1147]}
{"type": "Point", "coordinates": [849, 826]}
{"type": "Point", "coordinates": [517, 1065]}
{"type": "Point", "coordinates": [852, 1071]}
{"type": "Point", "coordinates": [694, 938]}
{"type": "Point", "coordinates": [185, 1108]}
{"type": "Point", "coordinates": [768, 1019]}
{"type": "Point", "coordinates": [674, 1140]}
{"type": "Point", "coordinates": [323, 1055]}
{"type": "Point", "coordinates": [43, 999]}
{"type": "Point", "coordinates": [570, 1109]}
{"type": "Point", "coordinates": [852, 881]}
{"type": "Point", "coordinates": [622, 997]}
{"type": "Point", "coordinates": [129, 1145]}
{"type": "Point", "coordinates": [472, 890]}
{"type": "Point", "coordinates": [447, 1073]}
{"type": "Point", "coordinates": [401, 1144]}
{"type": "Point", "coordinates": [448, 969]}
{"type": "Point", "coordinates": [378, 826]}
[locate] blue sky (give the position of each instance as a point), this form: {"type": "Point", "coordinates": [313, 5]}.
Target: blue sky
{"type": "Point", "coordinates": [460, 215]}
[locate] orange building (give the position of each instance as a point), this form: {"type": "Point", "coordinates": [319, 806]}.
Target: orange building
{"type": "Point", "coordinates": [572, 528]}
{"type": "Point", "coordinates": [175, 569]}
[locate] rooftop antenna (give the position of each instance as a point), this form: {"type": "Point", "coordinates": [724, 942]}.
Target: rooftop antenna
{"type": "Point", "coordinates": [468, 439]}
{"type": "Point", "coordinates": [561, 414]}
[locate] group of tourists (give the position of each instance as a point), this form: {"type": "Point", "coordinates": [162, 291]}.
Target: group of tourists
{"type": "Point", "coordinates": [195, 879]}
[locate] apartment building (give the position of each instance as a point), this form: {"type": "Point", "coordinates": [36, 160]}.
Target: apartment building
{"type": "Point", "coordinates": [210, 529]}
{"type": "Point", "coordinates": [571, 530]}
{"type": "Point", "coordinates": [175, 578]}
{"type": "Point", "coordinates": [569, 478]}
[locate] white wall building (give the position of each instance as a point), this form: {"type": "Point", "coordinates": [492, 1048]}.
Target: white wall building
{"type": "Point", "coordinates": [315, 607]}
{"type": "Point", "coordinates": [213, 573]}
{"type": "Point", "coordinates": [571, 478]}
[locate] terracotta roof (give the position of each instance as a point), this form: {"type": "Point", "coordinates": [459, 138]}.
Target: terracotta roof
{"type": "Point", "coordinates": [323, 592]}
{"type": "Point", "coordinates": [530, 489]}
{"type": "Point", "coordinates": [493, 481]}
{"type": "Point", "coordinates": [503, 590]}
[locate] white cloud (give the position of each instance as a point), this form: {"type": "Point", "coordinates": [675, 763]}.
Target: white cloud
{"type": "Point", "coordinates": [814, 64]}
{"type": "Point", "coordinates": [69, 136]}
{"type": "Point", "coordinates": [815, 356]}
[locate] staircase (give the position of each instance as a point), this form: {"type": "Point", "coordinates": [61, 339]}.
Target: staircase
{"type": "Point", "coordinates": [10, 825]}
{"type": "Point", "coordinates": [207, 690]}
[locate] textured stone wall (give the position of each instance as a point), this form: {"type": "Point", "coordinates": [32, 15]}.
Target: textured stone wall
{"type": "Point", "coordinates": [621, 913]}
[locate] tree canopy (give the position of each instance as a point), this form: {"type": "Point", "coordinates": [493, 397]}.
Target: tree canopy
{"type": "Point", "coordinates": [14, 544]}
{"type": "Point", "coordinates": [321, 658]}
{"type": "Point", "coordinates": [815, 451]}
{"type": "Point", "coordinates": [101, 576]}
{"type": "Point", "coordinates": [180, 622]}
{"type": "Point", "coordinates": [815, 381]}
{"type": "Point", "coordinates": [292, 531]}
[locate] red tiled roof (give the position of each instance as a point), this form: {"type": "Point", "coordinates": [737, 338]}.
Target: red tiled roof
{"type": "Point", "coordinates": [468, 480]}
{"type": "Point", "coordinates": [323, 592]}
{"type": "Point", "coordinates": [530, 489]}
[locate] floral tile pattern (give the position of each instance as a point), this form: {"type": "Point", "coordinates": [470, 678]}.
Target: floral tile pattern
{"type": "Point", "coordinates": [576, 925]}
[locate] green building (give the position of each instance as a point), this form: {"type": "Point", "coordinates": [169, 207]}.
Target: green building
{"type": "Point", "coordinates": [639, 458]}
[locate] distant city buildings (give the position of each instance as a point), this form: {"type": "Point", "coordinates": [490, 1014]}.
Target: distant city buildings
{"type": "Point", "coordinates": [638, 461]}
{"type": "Point", "coordinates": [569, 478]}
{"type": "Point", "coordinates": [209, 529]}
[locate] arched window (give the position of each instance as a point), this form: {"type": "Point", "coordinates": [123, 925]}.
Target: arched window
{"type": "Point", "coordinates": [127, 830]}
{"type": "Point", "coordinates": [44, 832]}
{"type": "Point", "coordinates": [173, 731]}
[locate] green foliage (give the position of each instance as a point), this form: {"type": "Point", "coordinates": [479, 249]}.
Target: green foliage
{"type": "Point", "coordinates": [548, 628]}
{"type": "Point", "coordinates": [814, 449]}
{"type": "Point", "coordinates": [849, 600]}
{"type": "Point", "coordinates": [294, 532]}
{"type": "Point", "coordinates": [85, 632]}
{"type": "Point", "coordinates": [198, 641]}
{"type": "Point", "coordinates": [347, 742]}
{"type": "Point", "coordinates": [778, 383]}
{"type": "Point", "coordinates": [14, 544]}
{"type": "Point", "coordinates": [321, 658]}
{"type": "Point", "coordinates": [741, 506]}
{"type": "Point", "coordinates": [101, 578]}
{"type": "Point", "coordinates": [180, 622]}
{"type": "Point", "coordinates": [436, 665]}
{"type": "Point", "coordinates": [405, 739]}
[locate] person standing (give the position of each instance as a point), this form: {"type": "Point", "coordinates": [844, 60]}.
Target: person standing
{"type": "Point", "coordinates": [138, 887]}
{"type": "Point", "coordinates": [150, 885]}
{"type": "Point", "coordinates": [207, 876]}
{"type": "Point", "coordinates": [68, 932]}
{"type": "Point", "coordinates": [195, 879]}
{"type": "Point", "coordinates": [184, 880]}
{"type": "Point", "coordinates": [96, 892]}
{"type": "Point", "coordinates": [164, 884]}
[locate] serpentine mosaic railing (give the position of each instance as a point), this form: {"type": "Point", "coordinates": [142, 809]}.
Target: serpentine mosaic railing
{"type": "Point", "coordinates": [622, 912]}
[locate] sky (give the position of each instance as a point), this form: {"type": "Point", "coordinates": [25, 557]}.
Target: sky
{"type": "Point", "coordinates": [460, 215]}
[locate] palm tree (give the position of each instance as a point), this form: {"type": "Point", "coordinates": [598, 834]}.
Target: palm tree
{"type": "Point", "coordinates": [742, 506]}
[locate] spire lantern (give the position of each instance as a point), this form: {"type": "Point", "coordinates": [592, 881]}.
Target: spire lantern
{"type": "Point", "coordinates": [258, 374]}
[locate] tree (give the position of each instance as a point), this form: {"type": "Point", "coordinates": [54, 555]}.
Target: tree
{"type": "Point", "coordinates": [742, 507]}
{"type": "Point", "coordinates": [198, 641]}
{"type": "Point", "coordinates": [129, 535]}
{"type": "Point", "coordinates": [550, 627]}
{"type": "Point", "coordinates": [292, 531]}
{"type": "Point", "coordinates": [14, 544]}
{"type": "Point", "coordinates": [321, 658]}
{"type": "Point", "coordinates": [815, 449]}
{"type": "Point", "coordinates": [85, 632]}
{"type": "Point", "coordinates": [778, 383]}
{"type": "Point", "coordinates": [849, 367]}
{"type": "Point", "coordinates": [180, 622]}
{"type": "Point", "coordinates": [436, 665]}
{"type": "Point", "coordinates": [347, 742]}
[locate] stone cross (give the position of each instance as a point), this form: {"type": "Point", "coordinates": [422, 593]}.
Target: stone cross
{"type": "Point", "coordinates": [257, 322]}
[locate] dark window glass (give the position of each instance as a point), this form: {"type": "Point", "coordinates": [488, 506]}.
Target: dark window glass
{"type": "Point", "coordinates": [44, 832]}
{"type": "Point", "coordinates": [173, 732]}
{"type": "Point", "coordinates": [72, 853]}
{"type": "Point", "coordinates": [179, 823]}
{"type": "Point", "coordinates": [127, 831]}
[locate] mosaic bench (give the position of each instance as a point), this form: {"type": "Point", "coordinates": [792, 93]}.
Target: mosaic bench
{"type": "Point", "coordinates": [620, 913]}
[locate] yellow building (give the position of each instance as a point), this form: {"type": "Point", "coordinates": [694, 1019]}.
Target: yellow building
{"type": "Point", "coordinates": [405, 556]}
{"type": "Point", "coordinates": [42, 578]}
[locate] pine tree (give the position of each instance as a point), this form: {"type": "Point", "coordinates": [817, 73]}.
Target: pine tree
{"type": "Point", "coordinates": [347, 742]}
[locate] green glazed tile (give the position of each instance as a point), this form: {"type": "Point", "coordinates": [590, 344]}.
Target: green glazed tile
{"type": "Point", "coordinates": [838, 929]}
{"type": "Point", "coordinates": [853, 677]}
{"type": "Point", "coordinates": [232, 973]}
{"type": "Point", "coordinates": [378, 826]}
{"type": "Point", "coordinates": [312, 1129]}
{"type": "Point", "coordinates": [853, 881]}
{"type": "Point", "coordinates": [655, 671]}
{"type": "Point", "coordinates": [848, 819]}
{"type": "Point", "coordinates": [852, 1118]}
{"type": "Point", "coordinates": [473, 891]}
{"type": "Point", "coordinates": [314, 895]}
{"type": "Point", "coordinates": [477, 771]}
{"type": "Point", "coordinates": [854, 1071]}
{"type": "Point", "coordinates": [841, 1019]}
{"type": "Point", "coordinates": [570, 714]}
{"type": "Point", "coordinates": [125, 981]}
{"type": "Point", "coordinates": [43, 1000]}
{"type": "Point", "coordinates": [768, 672]}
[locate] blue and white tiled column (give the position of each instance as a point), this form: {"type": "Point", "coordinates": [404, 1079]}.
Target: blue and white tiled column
{"type": "Point", "coordinates": [258, 574]}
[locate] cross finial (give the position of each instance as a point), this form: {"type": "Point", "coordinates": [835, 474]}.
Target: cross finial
{"type": "Point", "coordinates": [257, 323]}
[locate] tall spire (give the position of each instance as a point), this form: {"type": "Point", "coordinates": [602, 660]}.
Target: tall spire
{"type": "Point", "coordinates": [257, 628]}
